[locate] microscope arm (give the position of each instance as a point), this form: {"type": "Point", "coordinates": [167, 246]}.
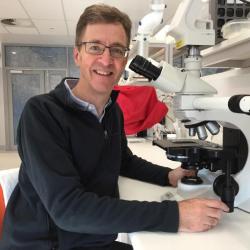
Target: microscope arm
{"type": "Point", "coordinates": [235, 103]}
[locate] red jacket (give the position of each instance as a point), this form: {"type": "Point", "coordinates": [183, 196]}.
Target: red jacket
{"type": "Point", "coordinates": [140, 106]}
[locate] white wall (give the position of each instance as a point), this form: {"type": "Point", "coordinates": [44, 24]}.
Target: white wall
{"type": "Point", "coordinates": [2, 116]}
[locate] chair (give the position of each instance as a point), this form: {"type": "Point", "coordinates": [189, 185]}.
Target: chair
{"type": "Point", "coordinates": [8, 180]}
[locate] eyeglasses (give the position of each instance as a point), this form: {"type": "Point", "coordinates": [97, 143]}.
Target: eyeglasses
{"type": "Point", "coordinates": [96, 48]}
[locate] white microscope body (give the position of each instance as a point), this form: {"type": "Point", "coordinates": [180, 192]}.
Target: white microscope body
{"type": "Point", "coordinates": [195, 101]}
{"type": "Point", "coordinates": [196, 105]}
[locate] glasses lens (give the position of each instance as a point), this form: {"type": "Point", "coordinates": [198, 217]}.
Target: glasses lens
{"type": "Point", "coordinates": [98, 49]}
{"type": "Point", "coordinates": [95, 48]}
{"type": "Point", "coordinates": [118, 52]}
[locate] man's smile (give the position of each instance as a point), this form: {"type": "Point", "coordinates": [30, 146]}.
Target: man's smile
{"type": "Point", "coordinates": [103, 73]}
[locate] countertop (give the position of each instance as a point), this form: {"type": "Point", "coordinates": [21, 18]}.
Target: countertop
{"type": "Point", "coordinates": [233, 231]}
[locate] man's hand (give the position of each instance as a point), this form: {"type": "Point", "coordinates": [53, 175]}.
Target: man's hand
{"type": "Point", "coordinates": [176, 174]}
{"type": "Point", "coordinates": [198, 215]}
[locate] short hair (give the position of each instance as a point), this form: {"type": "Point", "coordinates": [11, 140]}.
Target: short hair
{"type": "Point", "coordinates": [102, 13]}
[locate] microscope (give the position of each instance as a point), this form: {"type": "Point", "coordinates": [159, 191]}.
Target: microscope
{"type": "Point", "coordinates": [202, 112]}
{"type": "Point", "coordinates": [221, 170]}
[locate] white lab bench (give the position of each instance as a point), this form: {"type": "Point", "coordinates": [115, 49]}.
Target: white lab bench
{"type": "Point", "coordinates": [233, 231]}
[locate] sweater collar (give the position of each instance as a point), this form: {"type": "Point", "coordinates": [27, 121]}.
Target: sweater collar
{"type": "Point", "coordinates": [62, 94]}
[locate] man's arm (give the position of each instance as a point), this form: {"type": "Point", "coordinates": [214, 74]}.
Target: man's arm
{"type": "Point", "coordinates": [44, 149]}
{"type": "Point", "coordinates": [140, 169]}
{"type": "Point", "coordinates": [137, 168]}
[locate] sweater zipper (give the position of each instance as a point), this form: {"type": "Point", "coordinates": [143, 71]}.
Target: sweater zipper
{"type": "Point", "coordinates": [104, 125]}
{"type": "Point", "coordinates": [106, 136]}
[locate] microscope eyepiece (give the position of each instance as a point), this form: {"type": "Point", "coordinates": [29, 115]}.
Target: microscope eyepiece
{"type": "Point", "coordinates": [145, 68]}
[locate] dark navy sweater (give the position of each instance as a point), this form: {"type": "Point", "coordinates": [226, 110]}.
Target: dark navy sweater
{"type": "Point", "coordinates": [67, 195]}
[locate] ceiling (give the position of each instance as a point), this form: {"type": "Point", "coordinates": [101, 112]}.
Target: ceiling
{"type": "Point", "coordinates": [54, 21]}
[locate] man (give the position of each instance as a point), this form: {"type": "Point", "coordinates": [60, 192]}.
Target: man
{"type": "Point", "coordinates": [73, 148]}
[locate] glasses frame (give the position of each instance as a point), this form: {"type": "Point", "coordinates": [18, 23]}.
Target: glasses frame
{"type": "Point", "coordinates": [126, 50]}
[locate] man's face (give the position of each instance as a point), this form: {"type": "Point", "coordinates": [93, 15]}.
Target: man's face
{"type": "Point", "coordinates": [99, 73]}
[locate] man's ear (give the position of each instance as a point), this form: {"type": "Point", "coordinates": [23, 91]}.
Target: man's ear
{"type": "Point", "coordinates": [77, 56]}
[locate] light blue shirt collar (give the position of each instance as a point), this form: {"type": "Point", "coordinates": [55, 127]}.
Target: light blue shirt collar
{"type": "Point", "coordinates": [86, 106]}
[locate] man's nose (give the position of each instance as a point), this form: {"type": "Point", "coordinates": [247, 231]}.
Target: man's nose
{"type": "Point", "coordinates": [106, 57]}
